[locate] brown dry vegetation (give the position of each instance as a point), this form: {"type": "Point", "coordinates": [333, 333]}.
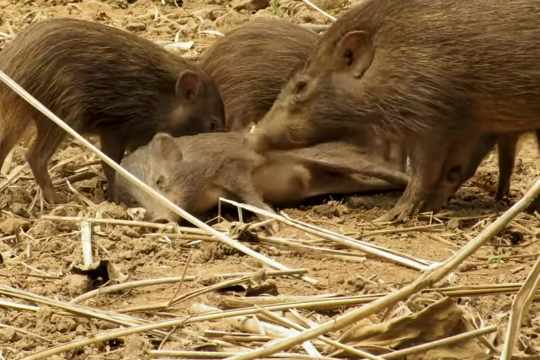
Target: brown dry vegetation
{"type": "Point", "coordinates": [39, 256]}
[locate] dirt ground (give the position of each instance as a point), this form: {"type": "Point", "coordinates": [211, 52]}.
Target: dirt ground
{"type": "Point", "coordinates": [41, 256]}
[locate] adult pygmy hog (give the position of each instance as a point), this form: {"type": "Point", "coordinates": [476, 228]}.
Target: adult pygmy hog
{"type": "Point", "coordinates": [195, 171]}
{"type": "Point", "coordinates": [100, 80]}
{"type": "Point", "coordinates": [252, 63]}
{"type": "Point", "coordinates": [437, 74]}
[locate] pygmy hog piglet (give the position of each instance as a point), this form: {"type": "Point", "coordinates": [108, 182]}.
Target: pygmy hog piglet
{"type": "Point", "coordinates": [252, 63]}
{"type": "Point", "coordinates": [100, 80]}
{"type": "Point", "coordinates": [195, 171]}
{"type": "Point", "coordinates": [436, 75]}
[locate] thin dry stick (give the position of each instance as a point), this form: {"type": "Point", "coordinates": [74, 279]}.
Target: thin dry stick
{"type": "Point", "coordinates": [109, 316]}
{"type": "Point", "coordinates": [427, 279]}
{"type": "Point", "coordinates": [179, 286]}
{"type": "Point", "coordinates": [324, 339]}
{"type": "Point", "coordinates": [520, 307]}
{"type": "Point", "coordinates": [25, 332]}
{"type": "Point", "coordinates": [169, 227]}
{"type": "Point", "coordinates": [206, 289]}
{"type": "Point", "coordinates": [402, 230]}
{"type": "Point", "coordinates": [223, 354]}
{"type": "Point", "coordinates": [13, 305]}
{"type": "Point", "coordinates": [86, 244]}
{"type": "Point", "coordinates": [137, 182]}
{"type": "Point", "coordinates": [341, 239]}
{"type": "Point", "coordinates": [433, 344]}
{"type": "Point", "coordinates": [427, 263]}
{"type": "Point", "coordinates": [312, 5]}
{"type": "Point", "coordinates": [169, 280]}
{"type": "Point", "coordinates": [316, 249]}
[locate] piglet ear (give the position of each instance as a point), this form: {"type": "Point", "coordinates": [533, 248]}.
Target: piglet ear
{"type": "Point", "coordinates": [165, 146]}
{"type": "Point", "coordinates": [188, 84]}
{"type": "Point", "coordinates": [355, 50]}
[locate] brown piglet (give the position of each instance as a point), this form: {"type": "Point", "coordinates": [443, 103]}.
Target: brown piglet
{"type": "Point", "coordinates": [253, 62]}
{"type": "Point", "coordinates": [104, 81]}
{"type": "Point", "coordinates": [195, 171]}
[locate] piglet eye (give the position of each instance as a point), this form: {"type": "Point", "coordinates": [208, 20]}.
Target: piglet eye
{"type": "Point", "coordinates": [160, 182]}
{"type": "Point", "coordinates": [300, 87]}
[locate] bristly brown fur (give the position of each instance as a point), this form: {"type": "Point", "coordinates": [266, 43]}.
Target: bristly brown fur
{"type": "Point", "coordinates": [99, 80]}
{"type": "Point", "coordinates": [433, 56]}
{"type": "Point", "coordinates": [252, 63]}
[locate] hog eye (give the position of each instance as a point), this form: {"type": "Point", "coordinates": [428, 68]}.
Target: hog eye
{"type": "Point", "coordinates": [300, 87]}
{"type": "Point", "coordinates": [160, 182]}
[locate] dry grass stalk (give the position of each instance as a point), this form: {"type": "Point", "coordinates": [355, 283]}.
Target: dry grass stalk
{"type": "Point", "coordinates": [520, 307]}
{"type": "Point", "coordinates": [402, 230]}
{"type": "Point", "coordinates": [223, 354]}
{"type": "Point", "coordinates": [326, 340]}
{"type": "Point", "coordinates": [171, 280]}
{"type": "Point", "coordinates": [206, 289]}
{"type": "Point", "coordinates": [147, 224]}
{"type": "Point", "coordinates": [312, 249]}
{"type": "Point", "coordinates": [17, 306]}
{"type": "Point", "coordinates": [338, 238]}
{"type": "Point", "coordinates": [25, 332]}
{"type": "Point", "coordinates": [109, 316]}
{"type": "Point", "coordinates": [425, 280]}
{"type": "Point", "coordinates": [446, 341]}
{"type": "Point", "coordinates": [86, 243]}
{"type": "Point", "coordinates": [181, 283]}
{"type": "Point", "coordinates": [315, 7]}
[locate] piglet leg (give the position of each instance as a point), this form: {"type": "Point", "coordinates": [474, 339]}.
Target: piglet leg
{"type": "Point", "coordinates": [113, 146]}
{"type": "Point", "coordinates": [49, 136]}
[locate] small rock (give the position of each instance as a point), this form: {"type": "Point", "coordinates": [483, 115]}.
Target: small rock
{"type": "Point", "coordinates": [467, 267]}
{"type": "Point", "coordinates": [136, 26]}
{"type": "Point", "coordinates": [76, 284]}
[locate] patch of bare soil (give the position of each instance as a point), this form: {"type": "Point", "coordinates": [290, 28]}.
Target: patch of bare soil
{"type": "Point", "coordinates": [43, 257]}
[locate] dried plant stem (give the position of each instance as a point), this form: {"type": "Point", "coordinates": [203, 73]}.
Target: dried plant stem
{"type": "Point", "coordinates": [520, 307]}
{"type": "Point", "coordinates": [222, 355]}
{"type": "Point", "coordinates": [402, 230]}
{"type": "Point", "coordinates": [326, 340]}
{"type": "Point", "coordinates": [425, 280]}
{"type": "Point", "coordinates": [313, 249]}
{"type": "Point", "coordinates": [170, 280]}
{"type": "Point", "coordinates": [338, 238]}
{"type": "Point", "coordinates": [25, 332]}
{"type": "Point", "coordinates": [315, 7]}
{"type": "Point", "coordinates": [9, 304]}
{"type": "Point", "coordinates": [170, 227]}
{"type": "Point", "coordinates": [446, 341]}
{"type": "Point", "coordinates": [109, 316]}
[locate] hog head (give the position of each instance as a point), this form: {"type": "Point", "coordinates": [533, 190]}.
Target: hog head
{"type": "Point", "coordinates": [321, 103]}
{"type": "Point", "coordinates": [197, 106]}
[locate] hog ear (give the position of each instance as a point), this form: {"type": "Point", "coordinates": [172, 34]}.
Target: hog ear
{"type": "Point", "coordinates": [356, 50]}
{"type": "Point", "coordinates": [165, 145]}
{"type": "Point", "coordinates": [188, 84]}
